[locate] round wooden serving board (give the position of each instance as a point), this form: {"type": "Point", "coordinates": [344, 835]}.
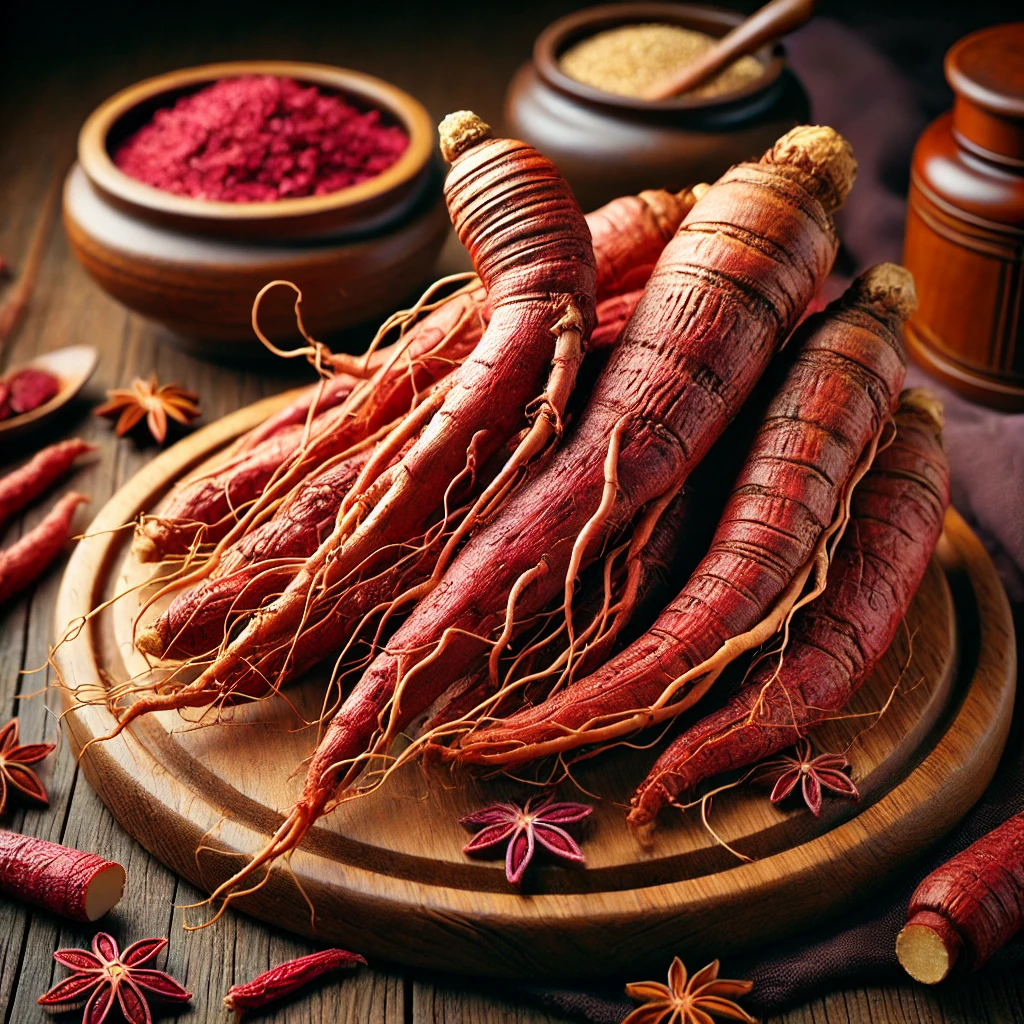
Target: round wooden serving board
{"type": "Point", "coordinates": [386, 872]}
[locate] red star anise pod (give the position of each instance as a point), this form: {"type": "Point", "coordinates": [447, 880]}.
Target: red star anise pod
{"type": "Point", "coordinates": [693, 1001]}
{"type": "Point", "coordinates": [826, 771]}
{"type": "Point", "coordinates": [154, 401]}
{"type": "Point", "coordinates": [14, 762]}
{"type": "Point", "coordinates": [106, 976]}
{"type": "Point", "coordinates": [538, 821]}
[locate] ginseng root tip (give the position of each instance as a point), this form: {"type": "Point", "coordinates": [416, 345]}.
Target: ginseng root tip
{"type": "Point", "coordinates": [144, 549]}
{"type": "Point", "coordinates": [642, 825]}
{"type": "Point", "coordinates": [460, 131]}
{"type": "Point", "coordinates": [150, 641]}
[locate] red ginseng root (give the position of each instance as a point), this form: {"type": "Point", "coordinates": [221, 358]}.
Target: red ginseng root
{"type": "Point", "coordinates": [260, 564]}
{"type": "Point", "coordinates": [72, 884]}
{"type": "Point", "coordinates": [26, 560]}
{"type": "Point", "coordinates": [728, 288]}
{"type": "Point", "coordinates": [628, 235]}
{"type": "Point", "coordinates": [788, 501]}
{"type": "Point", "coordinates": [835, 641]}
{"type": "Point", "coordinates": [966, 909]}
{"type": "Point", "coordinates": [205, 508]}
{"type": "Point", "coordinates": [540, 278]}
{"type": "Point", "coordinates": [36, 477]}
{"type": "Point", "coordinates": [262, 561]}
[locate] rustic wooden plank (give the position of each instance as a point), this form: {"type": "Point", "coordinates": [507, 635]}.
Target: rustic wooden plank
{"type": "Point", "coordinates": [444, 1002]}
{"type": "Point", "coordinates": [236, 949]}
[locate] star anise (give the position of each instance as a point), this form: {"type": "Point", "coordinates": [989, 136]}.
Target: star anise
{"type": "Point", "coordinates": [826, 771]}
{"type": "Point", "coordinates": [153, 400]}
{"type": "Point", "coordinates": [693, 1001]}
{"type": "Point", "coordinates": [14, 761]}
{"type": "Point", "coordinates": [107, 975]}
{"type": "Point", "coordinates": [523, 827]}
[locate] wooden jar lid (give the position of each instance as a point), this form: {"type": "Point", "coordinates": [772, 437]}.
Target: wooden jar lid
{"type": "Point", "coordinates": [986, 70]}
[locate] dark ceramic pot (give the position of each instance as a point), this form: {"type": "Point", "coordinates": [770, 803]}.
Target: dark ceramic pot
{"type": "Point", "coordinates": [609, 145]}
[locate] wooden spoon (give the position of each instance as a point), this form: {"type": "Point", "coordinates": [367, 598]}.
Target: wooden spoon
{"type": "Point", "coordinates": [71, 366]}
{"type": "Point", "coordinates": [775, 19]}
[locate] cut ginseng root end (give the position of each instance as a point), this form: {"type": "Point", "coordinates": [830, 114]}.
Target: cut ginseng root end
{"type": "Point", "coordinates": [70, 883]}
{"type": "Point", "coordinates": [104, 891]}
{"type": "Point", "coordinates": [928, 947]}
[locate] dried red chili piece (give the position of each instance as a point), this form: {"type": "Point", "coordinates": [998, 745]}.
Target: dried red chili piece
{"type": "Point", "coordinates": [286, 978]}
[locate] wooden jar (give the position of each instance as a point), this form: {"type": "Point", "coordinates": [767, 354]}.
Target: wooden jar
{"type": "Point", "coordinates": [608, 145]}
{"type": "Point", "coordinates": [965, 225]}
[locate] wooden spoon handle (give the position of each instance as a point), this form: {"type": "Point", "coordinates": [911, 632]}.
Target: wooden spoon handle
{"type": "Point", "coordinates": [775, 19]}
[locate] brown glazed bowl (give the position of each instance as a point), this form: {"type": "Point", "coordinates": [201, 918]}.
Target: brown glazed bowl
{"type": "Point", "coordinates": [608, 145]}
{"type": "Point", "coordinates": [196, 265]}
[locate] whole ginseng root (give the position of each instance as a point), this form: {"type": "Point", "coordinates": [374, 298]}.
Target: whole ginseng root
{"type": "Point", "coordinates": [966, 909]}
{"type": "Point", "coordinates": [835, 641]}
{"type": "Point", "coordinates": [790, 498]}
{"type": "Point", "coordinates": [726, 291]}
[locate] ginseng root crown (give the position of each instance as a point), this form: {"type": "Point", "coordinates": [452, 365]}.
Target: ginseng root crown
{"type": "Point", "coordinates": [826, 158]}
{"type": "Point", "coordinates": [460, 131]}
{"type": "Point", "coordinates": [890, 287]}
{"type": "Point", "coordinates": [925, 404]}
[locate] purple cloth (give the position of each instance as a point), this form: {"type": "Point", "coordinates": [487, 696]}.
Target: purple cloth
{"type": "Point", "coordinates": [858, 90]}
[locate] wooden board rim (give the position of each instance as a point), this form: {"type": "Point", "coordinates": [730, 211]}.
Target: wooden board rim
{"type": "Point", "coordinates": [915, 813]}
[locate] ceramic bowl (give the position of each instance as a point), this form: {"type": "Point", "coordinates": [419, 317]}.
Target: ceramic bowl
{"type": "Point", "coordinates": [196, 265]}
{"type": "Point", "coordinates": [608, 145]}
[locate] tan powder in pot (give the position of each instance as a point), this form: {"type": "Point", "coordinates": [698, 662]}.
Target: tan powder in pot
{"type": "Point", "coordinates": [630, 59]}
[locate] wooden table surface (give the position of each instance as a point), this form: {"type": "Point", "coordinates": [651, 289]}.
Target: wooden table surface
{"type": "Point", "coordinates": [40, 110]}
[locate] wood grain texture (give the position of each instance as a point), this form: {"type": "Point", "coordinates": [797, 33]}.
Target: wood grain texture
{"type": "Point", "coordinates": [41, 120]}
{"type": "Point", "coordinates": [394, 856]}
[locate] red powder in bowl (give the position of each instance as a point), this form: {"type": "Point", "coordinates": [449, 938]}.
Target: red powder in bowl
{"type": "Point", "coordinates": [258, 138]}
